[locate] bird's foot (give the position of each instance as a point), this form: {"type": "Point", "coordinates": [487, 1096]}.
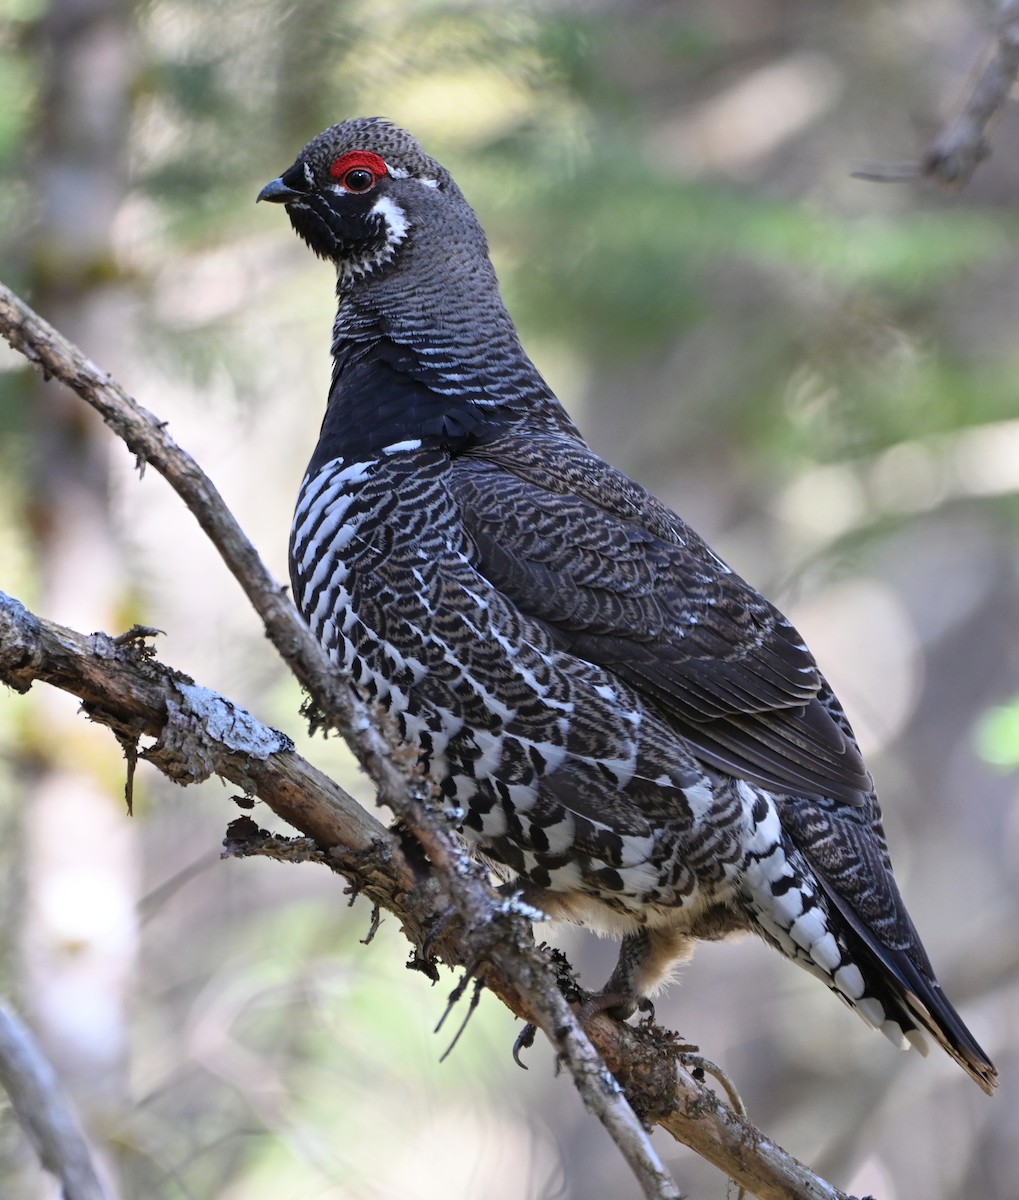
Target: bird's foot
{"type": "Point", "coordinates": [438, 927]}
{"type": "Point", "coordinates": [455, 996]}
{"type": "Point", "coordinates": [699, 1066]}
{"type": "Point", "coordinates": [566, 982]}
{"type": "Point", "coordinates": [524, 1041]}
{"type": "Point", "coordinates": [620, 1005]}
{"type": "Point", "coordinates": [623, 995]}
{"type": "Point", "coordinates": [423, 959]}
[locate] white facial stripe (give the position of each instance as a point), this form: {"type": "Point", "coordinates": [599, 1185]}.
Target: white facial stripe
{"type": "Point", "coordinates": [401, 173]}
{"type": "Point", "coordinates": [395, 218]}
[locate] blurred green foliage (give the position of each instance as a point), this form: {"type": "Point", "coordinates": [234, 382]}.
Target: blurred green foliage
{"type": "Point", "coordinates": [998, 735]}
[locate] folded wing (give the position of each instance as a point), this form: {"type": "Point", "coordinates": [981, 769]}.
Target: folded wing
{"type": "Point", "coordinates": [621, 582]}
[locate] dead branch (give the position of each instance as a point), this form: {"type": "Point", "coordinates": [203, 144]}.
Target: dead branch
{"type": "Point", "coordinates": [45, 1112]}
{"type": "Point", "coordinates": [962, 145]}
{"type": "Point", "coordinates": [199, 733]}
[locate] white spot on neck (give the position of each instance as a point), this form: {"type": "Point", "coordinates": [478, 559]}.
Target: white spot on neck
{"type": "Point", "coordinates": [394, 217]}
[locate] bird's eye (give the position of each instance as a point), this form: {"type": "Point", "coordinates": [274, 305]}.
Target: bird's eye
{"type": "Point", "coordinates": [358, 171]}
{"type": "Point", "coordinates": [359, 179]}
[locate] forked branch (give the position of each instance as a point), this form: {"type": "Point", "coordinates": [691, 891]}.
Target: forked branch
{"type": "Point", "coordinates": [962, 145]}
{"type": "Point", "coordinates": [195, 733]}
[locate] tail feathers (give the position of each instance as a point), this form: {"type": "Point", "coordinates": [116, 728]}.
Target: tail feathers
{"type": "Point", "coordinates": [902, 1000]}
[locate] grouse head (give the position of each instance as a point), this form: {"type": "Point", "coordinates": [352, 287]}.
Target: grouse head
{"type": "Point", "coordinates": [422, 344]}
{"type": "Point", "coordinates": [359, 189]}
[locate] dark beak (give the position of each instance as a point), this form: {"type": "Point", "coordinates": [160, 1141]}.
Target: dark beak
{"type": "Point", "coordinates": [279, 193]}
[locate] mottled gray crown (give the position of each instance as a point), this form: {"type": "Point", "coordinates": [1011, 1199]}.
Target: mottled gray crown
{"type": "Point", "coordinates": [381, 137]}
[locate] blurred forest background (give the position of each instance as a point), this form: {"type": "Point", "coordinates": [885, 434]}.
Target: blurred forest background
{"type": "Point", "coordinates": [819, 373]}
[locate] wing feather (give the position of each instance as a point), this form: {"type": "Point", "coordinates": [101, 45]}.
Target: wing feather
{"type": "Point", "coordinates": [624, 583]}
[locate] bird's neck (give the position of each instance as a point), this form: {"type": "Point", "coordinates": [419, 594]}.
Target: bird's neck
{"type": "Point", "coordinates": [439, 366]}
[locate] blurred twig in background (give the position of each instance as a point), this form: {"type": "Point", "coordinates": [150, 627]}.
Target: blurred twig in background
{"type": "Point", "coordinates": [962, 145]}
{"type": "Point", "coordinates": [960, 149]}
{"type": "Point", "coordinates": [44, 1110]}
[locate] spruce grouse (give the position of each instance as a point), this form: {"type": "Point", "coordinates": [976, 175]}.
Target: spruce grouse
{"type": "Point", "coordinates": [614, 718]}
